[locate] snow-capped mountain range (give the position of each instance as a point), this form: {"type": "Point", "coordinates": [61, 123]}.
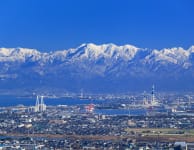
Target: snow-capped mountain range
{"type": "Point", "coordinates": [106, 67]}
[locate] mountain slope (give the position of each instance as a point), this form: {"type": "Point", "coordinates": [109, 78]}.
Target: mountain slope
{"type": "Point", "coordinates": [98, 68]}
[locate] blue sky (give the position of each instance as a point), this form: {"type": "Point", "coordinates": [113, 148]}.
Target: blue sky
{"type": "Point", "coordinates": [61, 24]}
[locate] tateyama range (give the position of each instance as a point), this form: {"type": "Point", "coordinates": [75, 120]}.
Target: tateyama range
{"type": "Point", "coordinates": [98, 68]}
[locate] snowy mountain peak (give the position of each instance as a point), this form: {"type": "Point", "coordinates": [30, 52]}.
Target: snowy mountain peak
{"type": "Point", "coordinates": [18, 51]}
{"type": "Point", "coordinates": [93, 52]}
{"type": "Point", "coordinates": [93, 66]}
{"type": "Point", "coordinates": [110, 50]}
{"type": "Point", "coordinates": [18, 54]}
{"type": "Point", "coordinates": [191, 49]}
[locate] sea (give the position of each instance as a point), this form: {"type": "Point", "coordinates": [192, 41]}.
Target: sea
{"type": "Point", "coordinates": [10, 100]}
